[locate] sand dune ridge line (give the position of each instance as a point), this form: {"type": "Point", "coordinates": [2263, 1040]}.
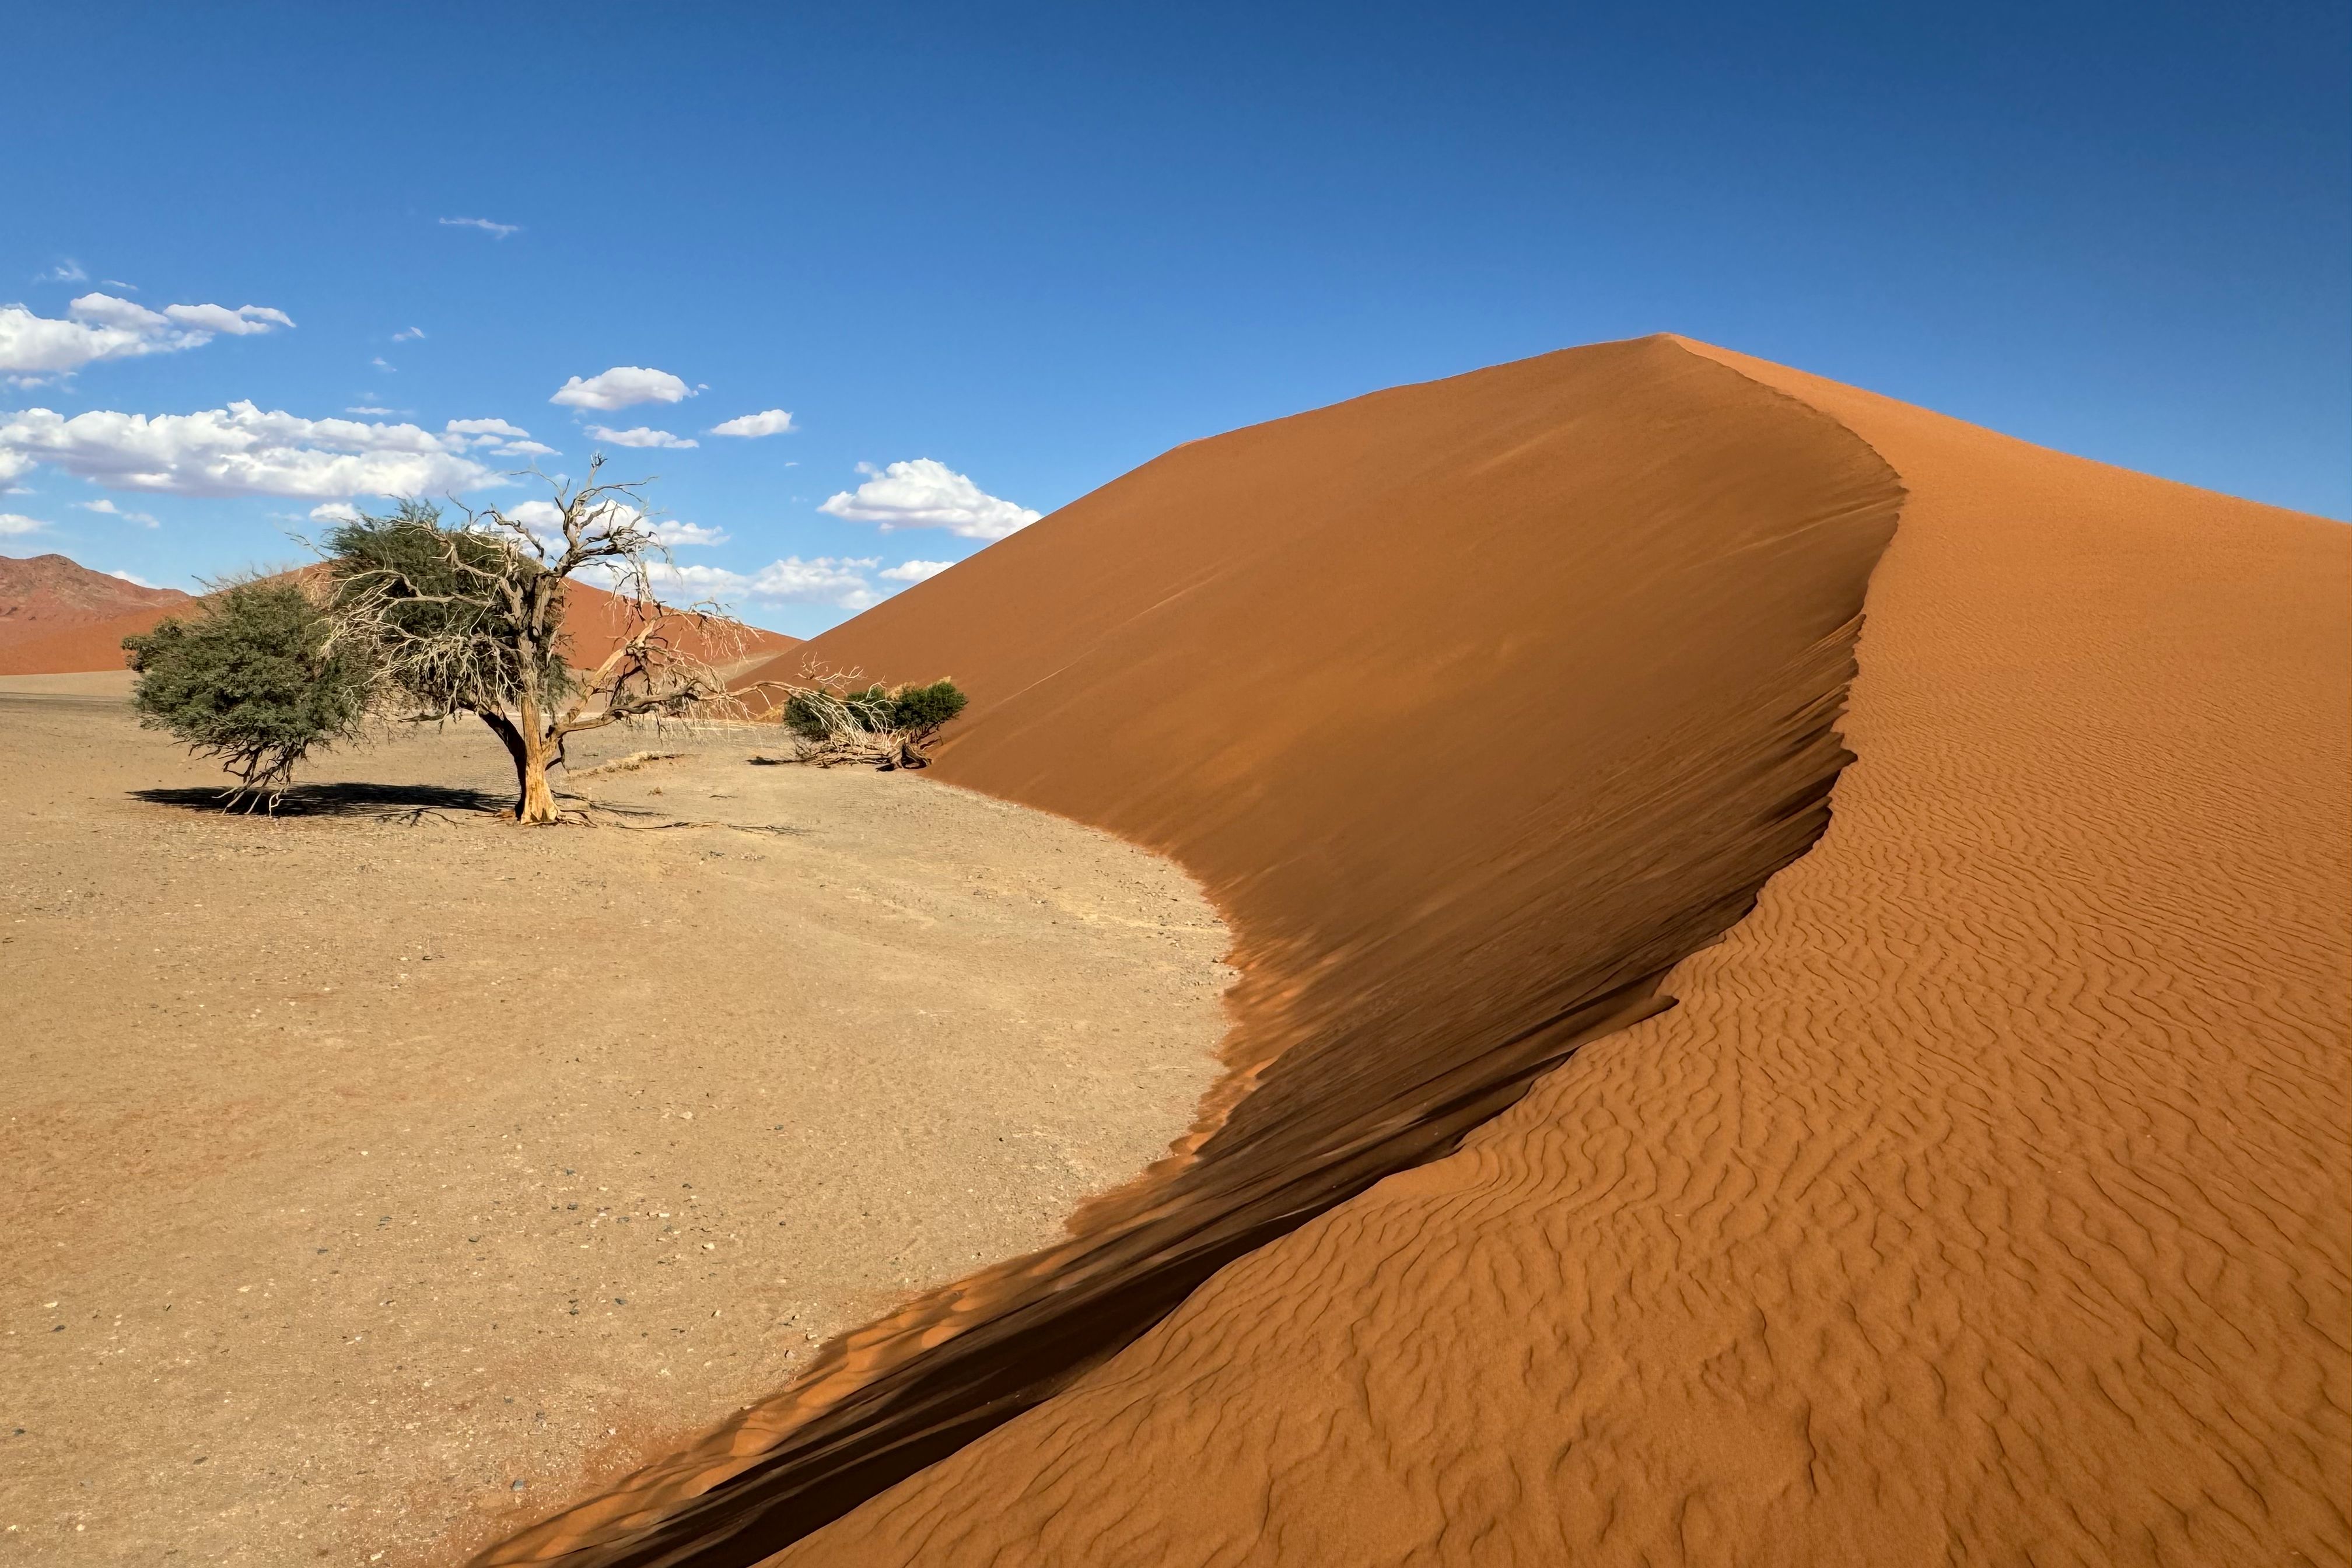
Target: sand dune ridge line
{"type": "Point", "coordinates": [1597, 735]}
{"type": "Point", "coordinates": [1982, 1200]}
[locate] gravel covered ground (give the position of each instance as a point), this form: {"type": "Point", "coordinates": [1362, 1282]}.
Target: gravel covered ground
{"type": "Point", "coordinates": [382, 1174]}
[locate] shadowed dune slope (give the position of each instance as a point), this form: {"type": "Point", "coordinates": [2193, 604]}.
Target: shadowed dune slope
{"type": "Point", "coordinates": [1476, 705]}
{"type": "Point", "coordinates": [1984, 1200]}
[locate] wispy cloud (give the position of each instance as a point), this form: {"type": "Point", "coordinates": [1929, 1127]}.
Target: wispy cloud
{"type": "Point", "coordinates": [106, 327]}
{"type": "Point", "coordinates": [409, 335]}
{"type": "Point", "coordinates": [642, 435]}
{"type": "Point", "coordinates": [108, 508]}
{"type": "Point", "coordinates": [620, 386]}
{"type": "Point", "coordinates": [926, 493]}
{"type": "Point", "coordinates": [373, 409]}
{"type": "Point", "coordinates": [66, 271]}
{"type": "Point", "coordinates": [772, 422]}
{"type": "Point", "coordinates": [497, 230]}
{"type": "Point", "coordinates": [133, 578]}
{"type": "Point", "coordinates": [506, 440]}
{"type": "Point", "coordinates": [383, 364]}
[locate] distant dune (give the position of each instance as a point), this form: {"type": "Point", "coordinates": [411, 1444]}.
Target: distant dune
{"type": "Point", "coordinates": [1984, 1197]}
{"type": "Point", "coordinates": [68, 645]}
{"type": "Point", "coordinates": [50, 600]}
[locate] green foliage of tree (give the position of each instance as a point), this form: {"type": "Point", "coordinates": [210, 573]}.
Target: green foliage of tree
{"type": "Point", "coordinates": [921, 711]}
{"type": "Point", "coordinates": [447, 612]}
{"type": "Point", "coordinates": [256, 679]}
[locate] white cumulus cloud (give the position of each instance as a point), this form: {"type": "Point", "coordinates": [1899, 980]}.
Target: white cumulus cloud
{"type": "Point", "coordinates": [239, 450]}
{"type": "Point", "coordinates": [539, 516]}
{"type": "Point", "coordinates": [489, 430]}
{"type": "Point", "coordinates": [506, 440]}
{"type": "Point", "coordinates": [108, 508]}
{"type": "Point", "coordinates": [620, 386]}
{"type": "Point", "coordinates": [640, 436]}
{"type": "Point", "coordinates": [133, 578]}
{"type": "Point", "coordinates": [771, 422]}
{"type": "Point", "coordinates": [915, 571]}
{"type": "Point", "coordinates": [335, 511]}
{"type": "Point", "coordinates": [496, 230]}
{"type": "Point", "coordinates": [826, 580]}
{"type": "Point", "coordinates": [105, 327]}
{"type": "Point", "coordinates": [926, 493]}
{"type": "Point", "coordinates": [12, 523]}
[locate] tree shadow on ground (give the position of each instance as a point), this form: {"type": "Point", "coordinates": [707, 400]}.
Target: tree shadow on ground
{"type": "Point", "coordinates": [363, 800]}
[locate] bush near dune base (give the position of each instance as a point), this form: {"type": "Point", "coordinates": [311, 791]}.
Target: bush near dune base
{"type": "Point", "coordinates": [254, 680]}
{"type": "Point", "coordinates": [889, 728]}
{"type": "Point", "coordinates": [924, 710]}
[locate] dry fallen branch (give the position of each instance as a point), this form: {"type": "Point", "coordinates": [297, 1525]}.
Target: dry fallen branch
{"type": "Point", "coordinates": [628, 764]}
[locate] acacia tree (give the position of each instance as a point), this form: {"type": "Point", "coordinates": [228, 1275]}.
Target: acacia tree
{"type": "Point", "coordinates": [468, 618]}
{"type": "Point", "coordinates": [254, 678]}
{"type": "Point", "coordinates": [412, 617]}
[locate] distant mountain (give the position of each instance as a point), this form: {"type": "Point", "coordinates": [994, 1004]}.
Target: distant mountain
{"type": "Point", "coordinates": [44, 594]}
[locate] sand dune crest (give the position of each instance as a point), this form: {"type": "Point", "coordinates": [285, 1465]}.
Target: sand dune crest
{"type": "Point", "coordinates": [1476, 706]}
{"type": "Point", "coordinates": [1984, 1199]}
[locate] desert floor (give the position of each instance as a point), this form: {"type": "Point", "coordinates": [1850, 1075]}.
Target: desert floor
{"type": "Point", "coordinates": [382, 1173]}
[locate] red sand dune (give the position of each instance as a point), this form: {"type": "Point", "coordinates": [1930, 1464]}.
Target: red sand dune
{"type": "Point", "coordinates": [50, 601]}
{"type": "Point", "coordinates": [1984, 1198]}
{"type": "Point", "coordinates": [595, 623]}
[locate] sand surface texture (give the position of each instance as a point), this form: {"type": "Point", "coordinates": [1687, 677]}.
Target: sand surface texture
{"type": "Point", "coordinates": [1985, 1199]}
{"type": "Point", "coordinates": [1478, 706]}
{"type": "Point", "coordinates": [1988, 1196]}
{"type": "Point", "coordinates": [376, 1171]}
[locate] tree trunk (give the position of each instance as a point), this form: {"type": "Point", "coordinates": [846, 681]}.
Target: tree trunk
{"type": "Point", "coordinates": [538, 801]}
{"type": "Point", "coordinates": [527, 744]}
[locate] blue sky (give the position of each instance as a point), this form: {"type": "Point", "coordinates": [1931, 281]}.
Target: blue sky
{"type": "Point", "coordinates": [1028, 247]}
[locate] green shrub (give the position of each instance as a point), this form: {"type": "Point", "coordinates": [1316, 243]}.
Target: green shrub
{"type": "Point", "coordinates": [252, 679]}
{"type": "Point", "coordinates": [879, 725]}
{"type": "Point", "coordinates": [921, 711]}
